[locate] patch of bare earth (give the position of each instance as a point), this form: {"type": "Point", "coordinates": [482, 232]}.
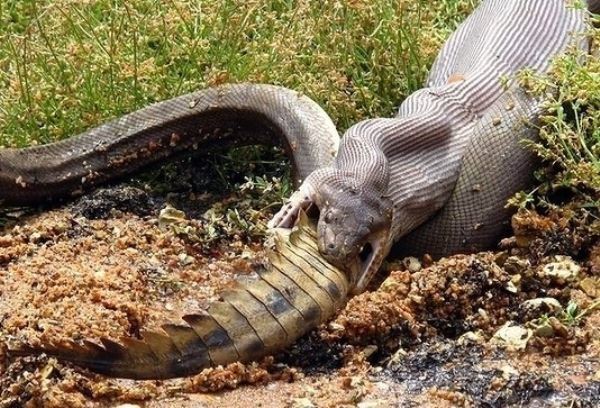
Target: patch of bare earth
{"type": "Point", "coordinates": [431, 334]}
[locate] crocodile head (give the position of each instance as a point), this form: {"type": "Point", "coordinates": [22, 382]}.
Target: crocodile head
{"type": "Point", "coordinates": [354, 230]}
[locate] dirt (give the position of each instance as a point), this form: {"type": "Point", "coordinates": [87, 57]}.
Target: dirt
{"type": "Point", "coordinates": [103, 265]}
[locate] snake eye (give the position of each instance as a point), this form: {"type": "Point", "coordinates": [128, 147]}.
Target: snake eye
{"type": "Point", "coordinates": [328, 217]}
{"type": "Point", "coordinates": [365, 252]}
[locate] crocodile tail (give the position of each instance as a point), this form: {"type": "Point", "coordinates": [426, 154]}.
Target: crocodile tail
{"type": "Point", "coordinates": [293, 293]}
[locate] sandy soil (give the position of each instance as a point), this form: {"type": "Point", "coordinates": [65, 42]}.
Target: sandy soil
{"type": "Point", "coordinates": [428, 336]}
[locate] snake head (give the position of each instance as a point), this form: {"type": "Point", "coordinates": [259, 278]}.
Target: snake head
{"type": "Point", "coordinates": [354, 230]}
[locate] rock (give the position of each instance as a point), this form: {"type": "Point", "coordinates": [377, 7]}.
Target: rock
{"type": "Point", "coordinates": [311, 391]}
{"type": "Point", "coordinates": [549, 327]}
{"type": "Point", "coordinates": [500, 258]}
{"type": "Point", "coordinates": [185, 259]}
{"type": "Point", "coordinates": [412, 264]}
{"type": "Point", "coordinates": [514, 284]}
{"type": "Point", "coordinates": [509, 372]}
{"type": "Point", "coordinates": [562, 268]}
{"type": "Point", "coordinates": [49, 370]}
{"type": "Point", "coordinates": [545, 329]}
{"type": "Point", "coordinates": [336, 327]}
{"type": "Point", "coordinates": [470, 338]}
{"type": "Point", "coordinates": [542, 305]}
{"type": "Point", "coordinates": [558, 327]}
{"type": "Point", "coordinates": [396, 358]}
{"type": "Point", "coordinates": [99, 274]}
{"type": "Point", "coordinates": [303, 403]}
{"type": "Point", "coordinates": [512, 336]}
{"type": "Point", "coordinates": [170, 216]}
{"type": "Point", "coordinates": [516, 265]}
{"type": "Point", "coordinates": [511, 287]}
{"type": "Point", "coordinates": [591, 287]}
{"type": "Point", "coordinates": [369, 350]}
{"type": "Point", "coordinates": [371, 404]}
{"type": "Point", "coordinates": [35, 237]}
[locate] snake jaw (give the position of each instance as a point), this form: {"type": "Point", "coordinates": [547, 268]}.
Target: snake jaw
{"type": "Point", "coordinates": [370, 258]}
{"type": "Point", "coordinates": [361, 263]}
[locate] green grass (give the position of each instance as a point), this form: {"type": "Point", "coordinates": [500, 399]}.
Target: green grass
{"type": "Point", "coordinates": [68, 65]}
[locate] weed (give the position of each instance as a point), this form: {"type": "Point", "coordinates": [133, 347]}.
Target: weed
{"type": "Point", "coordinates": [569, 131]}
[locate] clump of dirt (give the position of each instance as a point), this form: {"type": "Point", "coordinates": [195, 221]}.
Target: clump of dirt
{"type": "Point", "coordinates": [100, 204]}
{"type": "Point", "coordinates": [562, 231]}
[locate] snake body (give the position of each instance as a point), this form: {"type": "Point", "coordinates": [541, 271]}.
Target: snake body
{"type": "Point", "coordinates": [432, 179]}
{"type": "Point", "coordinates": [212, 118]}
{"type": "Point", "coordinates": [435, 178]}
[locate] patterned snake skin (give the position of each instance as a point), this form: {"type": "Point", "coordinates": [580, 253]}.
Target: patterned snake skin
{"type": "Point", "coordinates": [212, 118]}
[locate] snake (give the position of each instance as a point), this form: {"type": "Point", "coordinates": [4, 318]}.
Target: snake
{"type": "Point", "coordinates": [432, 179]}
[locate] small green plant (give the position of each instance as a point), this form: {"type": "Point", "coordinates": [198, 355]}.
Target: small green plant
{"type": "Point", "coordinates": [573, 314]}
{"type": "Point", "coordinates": [569, 130]}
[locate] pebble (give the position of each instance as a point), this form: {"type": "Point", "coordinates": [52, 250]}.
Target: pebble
{"type": "Point", "coordinates": [336, 327]}
{"type": "Point", "coordinates": [185, 259]}
{"type": "Point", "coordinates": [170, 216]}
{"type": "Point", "coordinates": [542, 305]}
{"type": "Point", "coordinates": [370, 404]}
{"type": "Point", "coordinates": [511, 287]}
{"type": "Point", "coordinates": [470, 337]}
{"type": "Point", "coordinates": [369, 350]}
{"type": "Point", "coordinates": [515, 265]}
{"type": "Point", "coordinates": [508, 372]}
{"type": "Point", "coordinates": [512, 336]}
{"type": "Point", "coordinates": [303, 403]}
{"type": "Point", "coordinates": [591, 287]}
{"type": "Point", "coordinates": [396, 358]}
{"type": "Point", "coordinates": [412, 264]}
{"type": "Point", "coordinates": [544, 330]}
{"type": "Point", "coordinates": [35, 237]}
{"type": "Point", "coordinates": [563, 268]}
{"type": "Point", "coordinates": [99, 274]}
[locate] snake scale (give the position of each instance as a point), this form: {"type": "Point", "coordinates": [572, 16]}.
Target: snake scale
{"type": "Point", "coordinates": [432, 179]}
